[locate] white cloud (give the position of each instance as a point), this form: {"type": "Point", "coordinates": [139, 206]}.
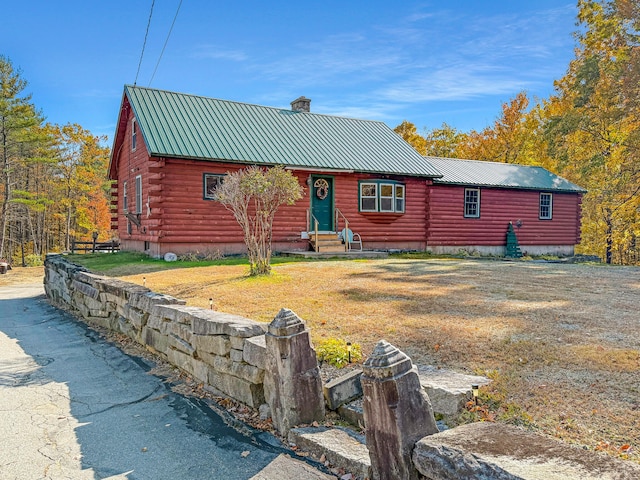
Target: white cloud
{"type": "Point", "coordinates": [366, 110]}
{"type": "Point", "coordinates": [348, 57]}
{"type": "Point", "coordinates": [453, 57]}
{"type": "Point", "coordinates": [462, 83]}
{"type": "Point", "coordinates": [218, 53]}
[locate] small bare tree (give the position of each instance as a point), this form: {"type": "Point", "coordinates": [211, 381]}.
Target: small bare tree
{"type": "Point", "coordinates": [254, 195]}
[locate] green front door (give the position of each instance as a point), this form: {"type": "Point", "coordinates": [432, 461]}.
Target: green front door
{"type": "Point", "coordinates": [322, 202]}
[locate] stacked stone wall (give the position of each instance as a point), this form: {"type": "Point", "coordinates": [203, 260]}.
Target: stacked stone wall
{"type": "Point", "coordinates": [222, 350]}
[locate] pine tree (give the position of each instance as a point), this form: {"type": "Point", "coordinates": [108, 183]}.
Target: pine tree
{"type": "Point", "coordinates": [19, 134]}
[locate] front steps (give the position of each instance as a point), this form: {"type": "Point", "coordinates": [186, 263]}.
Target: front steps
{"type": "Point", "coordinates": [328, 242]}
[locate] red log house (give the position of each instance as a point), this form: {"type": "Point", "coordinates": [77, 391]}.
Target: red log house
{"type": "Point", "coordinates": [171, 150]}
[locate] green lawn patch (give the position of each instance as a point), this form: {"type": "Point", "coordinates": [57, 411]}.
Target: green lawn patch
{"type": "Point", "coordinates": [133, 263]}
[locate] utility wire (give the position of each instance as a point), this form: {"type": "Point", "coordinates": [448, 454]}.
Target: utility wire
{"type": "Point", "coordinates": [165, 42]}
{"type": "Point", "coordinates": [144, 44]}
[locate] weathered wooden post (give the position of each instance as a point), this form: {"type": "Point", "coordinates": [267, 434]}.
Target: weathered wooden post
{"type": "Point", "coordinates": [292, 383]}
{"type": "Point", "coordinates": [94, 236]}
{"type": "Point", "coordinates": [397, 412]}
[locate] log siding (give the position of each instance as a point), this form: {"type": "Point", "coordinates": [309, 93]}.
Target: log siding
{"type": "Point", "coordinates": [447, 224]}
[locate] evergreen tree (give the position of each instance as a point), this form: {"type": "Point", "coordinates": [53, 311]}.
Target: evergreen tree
{"type": "Point", "coordinates": [19, 134]}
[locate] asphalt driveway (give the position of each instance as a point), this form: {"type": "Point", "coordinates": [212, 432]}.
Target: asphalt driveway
{"type": "Point", "coordinates": [75, 406]}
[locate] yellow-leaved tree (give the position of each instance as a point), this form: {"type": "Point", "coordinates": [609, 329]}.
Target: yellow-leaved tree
{"type": "Point", "coordinates": [592, 128]}
{"type": "Point", "coordinates": [80, 183]}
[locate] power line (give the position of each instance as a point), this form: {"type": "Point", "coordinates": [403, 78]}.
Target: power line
{"type": "Point", "coordinates": [165, 42]}
{"type": "Point", "coordinates": [144, 44]}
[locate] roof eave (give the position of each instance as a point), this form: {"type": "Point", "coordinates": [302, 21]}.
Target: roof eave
{"type": "Point", "coordinates": [294, 167]}
{"type": "Point", "coordinates": [510, 187]}
{"type": "Point", "coordinates": [118, 139]}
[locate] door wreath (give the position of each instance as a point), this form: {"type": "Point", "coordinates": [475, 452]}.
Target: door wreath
{"type": "Point", "coordinates": [322, 188]}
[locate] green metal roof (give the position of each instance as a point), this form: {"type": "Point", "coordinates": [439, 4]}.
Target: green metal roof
{"type": "Point", "coordinates": [189, 126]}
{"type": "Point", "coordinates": [505, 175]}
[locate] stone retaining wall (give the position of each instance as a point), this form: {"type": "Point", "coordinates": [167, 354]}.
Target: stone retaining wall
{"type": "Point", "coordinates": [222, 350]}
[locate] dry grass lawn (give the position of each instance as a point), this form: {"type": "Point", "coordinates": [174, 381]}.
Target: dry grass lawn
{"type": "Point", "coordinates": [561, 341]}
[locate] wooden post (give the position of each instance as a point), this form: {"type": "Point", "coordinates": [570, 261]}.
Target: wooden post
{"type": "Point", "coordinates": [94, 235]}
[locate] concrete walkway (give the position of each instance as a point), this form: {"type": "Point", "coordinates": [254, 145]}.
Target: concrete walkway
{"type": "Point", "coordinates": [73, 406]}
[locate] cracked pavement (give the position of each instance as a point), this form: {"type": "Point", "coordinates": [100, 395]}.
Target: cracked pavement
{"type": "Point", "coordinates": [73, 406]}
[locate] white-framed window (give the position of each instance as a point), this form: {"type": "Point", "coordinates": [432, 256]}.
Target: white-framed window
{"type": "Point", "coordinates": [399, 197]}
{"type": "Point", "coordinates": [134, 135]}
{"type": "Point", "coordinates": [386, 198]}
{"type": "Point", "coordinates": [210, 182]}
{"type": "Point", "coordinates": [472, 202]}
{"type": "Point", "coordinates": [546, 206]}
{"type": "Point", "coordinates": [125, 197]}
{"type": "Point", "coordinates": [138, 194]}
{"type": "Point", "coordinates": [368, 197]}
{"type": "Point", "coordinates": [382, 196]}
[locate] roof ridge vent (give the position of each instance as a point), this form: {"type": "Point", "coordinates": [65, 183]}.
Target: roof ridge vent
{"type": "Point", "coordinates": [301, 104]}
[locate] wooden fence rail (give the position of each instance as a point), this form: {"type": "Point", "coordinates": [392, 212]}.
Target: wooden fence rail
{"type": "Point", "coordinates": [93, 246]}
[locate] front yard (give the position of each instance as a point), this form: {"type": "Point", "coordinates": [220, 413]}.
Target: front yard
{"type": "Point", "coordinates": [560, 341]}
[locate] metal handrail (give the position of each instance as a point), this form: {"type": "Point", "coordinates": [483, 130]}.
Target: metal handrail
{"type": "Point", "coordinates": [311, 216]}
{"type": "Point", "coordinates": [346, 227]}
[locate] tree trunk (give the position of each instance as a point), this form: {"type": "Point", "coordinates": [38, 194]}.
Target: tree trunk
{"type": "Point", "coordinates": [609, 236]}
{"type": "Point", "coordinates": [4, 215]}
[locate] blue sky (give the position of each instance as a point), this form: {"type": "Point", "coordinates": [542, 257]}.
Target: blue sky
{"type": "Point", "coordinates": [428, 62]}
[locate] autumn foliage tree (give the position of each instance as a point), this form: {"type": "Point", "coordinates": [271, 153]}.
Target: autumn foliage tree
{"type": "Point", "coordinates": [52, 178]}
{"type": "Point", "coordinates": [445, 141]}
{"type": "Point", "coordinates": [594, 123]}
{"type": "Point", "coordinates": [588, 131]}
{"type": "Point", "coordinates": [511, 139]}
{"type": "Point", "coordinates": [254, 195]}
{"type": "Point", "coordinates": [409, 133]}
{"type": "Point", "coordinates": [80, 181]}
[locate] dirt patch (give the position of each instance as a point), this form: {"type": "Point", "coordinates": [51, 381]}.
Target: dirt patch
{"type": "Point", "coordinates": [560, 341]}
{"type": "Point", "coordinates": [21, 276]}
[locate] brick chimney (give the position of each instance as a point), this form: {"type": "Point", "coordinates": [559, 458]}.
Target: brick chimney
{"type": "Point", "coordinates": [301, 104]}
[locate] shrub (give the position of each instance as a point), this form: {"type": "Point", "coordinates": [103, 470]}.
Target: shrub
{"type": "Point", "coordinates": [33, 260]}
{"type": "Point", "coordinates": [335, 352]}
{"type": "Point", "coordinates": [198, 256]}
{"type": "Point", "coordinates": [254, 196]}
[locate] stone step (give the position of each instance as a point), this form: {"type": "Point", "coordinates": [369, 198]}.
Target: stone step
{"type": "Point", "coordinates": [343, 389]}
{"type": "Point", "coordinates": [340, 447]}
{"type": "Point", "coordinates": [285, 467]}
{"type": "Point", "coordinates": [448, 391]}
{"type": "Point", "coordinates": [494, 450]}
{"type": "Point", "coordinates": [352, 412]}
